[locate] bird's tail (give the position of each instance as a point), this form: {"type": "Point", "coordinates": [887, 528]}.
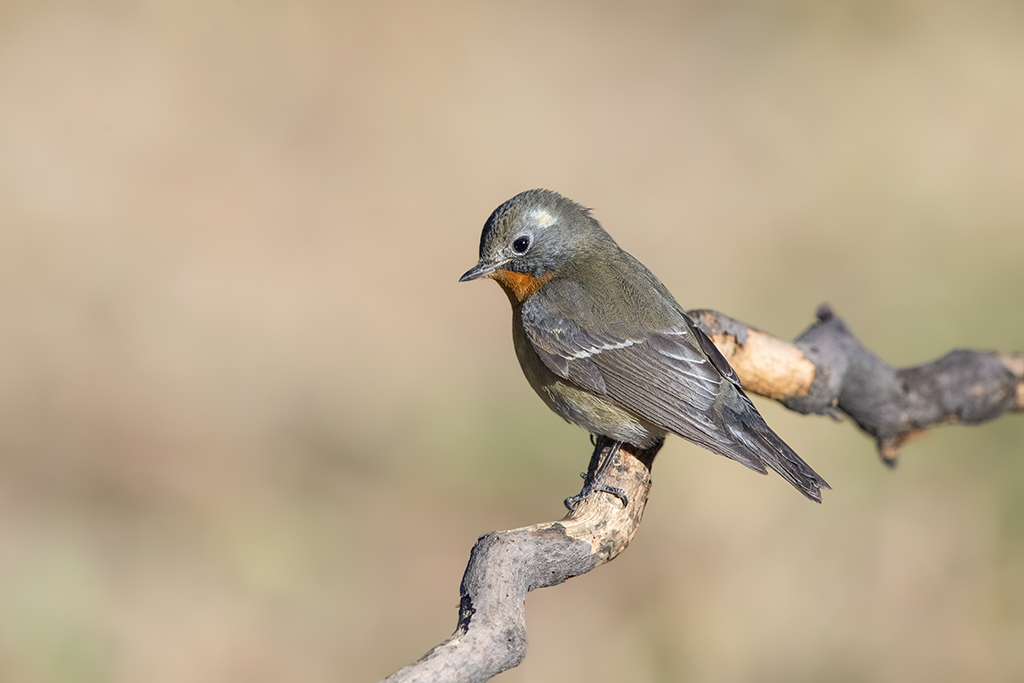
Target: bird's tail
{"type": "Point", "coordinates": [750, 429]}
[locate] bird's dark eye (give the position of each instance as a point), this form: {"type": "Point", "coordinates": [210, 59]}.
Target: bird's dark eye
{"type": "Point", "coordinates": [521, 245]}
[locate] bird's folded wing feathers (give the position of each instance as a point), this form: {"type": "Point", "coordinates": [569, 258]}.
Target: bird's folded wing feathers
{"type": "Point", "coordinates": [662, 376]}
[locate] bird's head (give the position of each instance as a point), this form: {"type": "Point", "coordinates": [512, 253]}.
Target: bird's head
{"type": "Point", "coordinates": [531, 237]}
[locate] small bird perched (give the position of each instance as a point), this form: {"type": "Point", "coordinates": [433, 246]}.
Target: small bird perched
{"type": "Point", "coordinates": [608, 348]}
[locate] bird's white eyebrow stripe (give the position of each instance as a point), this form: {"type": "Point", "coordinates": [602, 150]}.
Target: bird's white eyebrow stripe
{"type": "Point", "coordinates": [541, 217]}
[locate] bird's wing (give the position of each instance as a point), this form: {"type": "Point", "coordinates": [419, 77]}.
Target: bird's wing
{"type": "Point", "coordinates": [713, 354]}
{"type": "Point", "coordinates": [669, 377]}
{"type": "Point", "coordinates": [668, 373]}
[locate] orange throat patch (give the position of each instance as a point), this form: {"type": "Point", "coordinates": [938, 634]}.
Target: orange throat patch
{"type": "Point", "coordinates": [518, 286]}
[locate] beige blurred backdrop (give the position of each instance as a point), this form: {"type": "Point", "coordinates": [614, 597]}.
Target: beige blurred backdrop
{"type": "Point", "coordinates": [250, 425]}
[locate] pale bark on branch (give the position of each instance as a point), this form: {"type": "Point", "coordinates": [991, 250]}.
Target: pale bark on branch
{"type": "Point", "coordinates": [505, 565]}
{"type": "Point", "coordinates": [824, 371]}
{"type": "Point", "coordinates": [827, 371]}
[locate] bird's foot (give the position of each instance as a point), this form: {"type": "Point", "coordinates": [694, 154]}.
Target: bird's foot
{"type": "Point", "coordinates": [593, 487]}
{"type": "Point", "coordinates": [593, 479]}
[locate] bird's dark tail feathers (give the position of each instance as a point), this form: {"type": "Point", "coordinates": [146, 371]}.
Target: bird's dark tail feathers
{"type": "Point", "coordinates": [750, 430]}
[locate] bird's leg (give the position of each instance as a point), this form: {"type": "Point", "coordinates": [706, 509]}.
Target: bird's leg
{"type": "Point", "coordinates": [593, 479]}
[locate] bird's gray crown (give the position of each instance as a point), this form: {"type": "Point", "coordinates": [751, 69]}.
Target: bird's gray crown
{"type": "Point", "coordinates": [549, 225]}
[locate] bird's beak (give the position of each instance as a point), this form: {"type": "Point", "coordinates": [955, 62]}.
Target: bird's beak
{"type": "Point", "coordinates": [478, 271]}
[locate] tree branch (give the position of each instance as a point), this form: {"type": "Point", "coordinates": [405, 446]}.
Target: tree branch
{"type": "Point", "coordinates": [824, 371]}
{"type": "Point", "coordinates": [827, 371]}
{"type": "Point", "coordinates": [506, 565]}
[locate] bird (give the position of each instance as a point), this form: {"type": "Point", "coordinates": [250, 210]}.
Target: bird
{"type": "Point", "coordinates": [607, 347]}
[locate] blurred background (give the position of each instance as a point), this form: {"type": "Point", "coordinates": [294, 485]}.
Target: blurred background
{"type": "Point", "coordinates": [251, 425]}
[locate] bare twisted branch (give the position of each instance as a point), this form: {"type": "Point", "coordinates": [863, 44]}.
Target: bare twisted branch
{"type": "Point", "coordinates": [506, 565]}
{"type": "Point", "coordinates": [825, 371]}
